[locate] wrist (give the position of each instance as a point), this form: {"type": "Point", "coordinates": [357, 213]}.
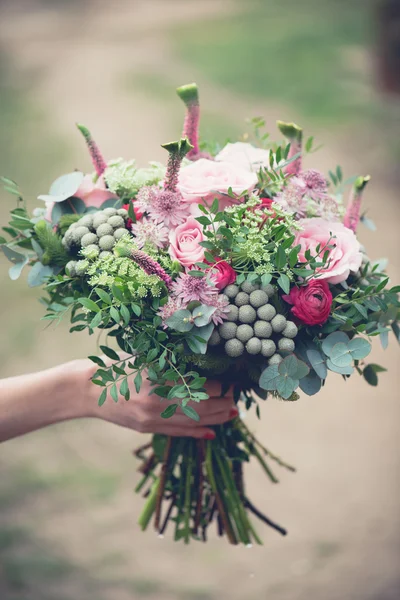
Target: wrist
{"type": "Point", "coordinates": [79, 389]}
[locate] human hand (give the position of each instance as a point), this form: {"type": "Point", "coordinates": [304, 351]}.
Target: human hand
{"type": "Point", "coordinates": [143, 411]}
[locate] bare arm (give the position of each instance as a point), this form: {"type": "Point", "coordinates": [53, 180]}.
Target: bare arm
{"type": "Point", "coordinates": [30, 402]}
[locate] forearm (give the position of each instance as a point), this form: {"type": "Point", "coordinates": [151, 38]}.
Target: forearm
{"type": "Point", "coordinates": [32, 401]}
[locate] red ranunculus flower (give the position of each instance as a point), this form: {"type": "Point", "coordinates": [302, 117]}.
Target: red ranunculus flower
{"type": "Point", "coordinates": [137, 212]}
{"type": "Point", "coordinates": [266, 202]}
{"type": "Point", "coordinates": [223, 274]}
{"type": "Point", "coordinates": [311, 304]}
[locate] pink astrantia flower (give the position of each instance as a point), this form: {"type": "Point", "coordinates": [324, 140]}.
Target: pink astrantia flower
{"type": "Point", "coordinates": [148, 231]}
{"type": "Point", "coordinates": [204, 180]}
{"type": "Point", "coordinates": [93, 193]}
{"type": "Point", "coordinates": [185, 242]}
{"type": "Point", "coordinates": [221, 303]}
{"type": "Point", "coordinates": [311, 183]}
{"type": "Point", "coordinates": [245, 156]}
{"type": "Point", "coordinates": [345, 255]}
{"type": "Point", "coordinates": [165, 312]}
{"type": "Point", "coordinates": [189, 289]}
{"type": "Point", "coordinates": [163, 206]}
{"type": "Point", "coordinates": [306, 194]}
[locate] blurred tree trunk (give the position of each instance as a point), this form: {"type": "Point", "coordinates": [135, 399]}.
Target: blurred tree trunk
{"type": "Point", "coordinates": [388, 12]}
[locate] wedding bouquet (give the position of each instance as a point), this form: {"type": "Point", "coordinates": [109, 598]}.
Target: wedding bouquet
{"type": "Point", "coordinates": [231, 264]}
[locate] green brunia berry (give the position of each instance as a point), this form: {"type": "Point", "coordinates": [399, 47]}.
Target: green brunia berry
{"type": "Point", "coordinates": [94, 235]}
{"type": "Point", "coordinates": [253, 326]}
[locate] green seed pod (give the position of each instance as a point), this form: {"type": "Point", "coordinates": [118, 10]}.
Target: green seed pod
{"type": "Point", "coordinates": [267, 348]}
{"type": "Point", "coordinates": [286, 345]}
{"type": "Point", "coordinates": [120, 233]}
{"type": "Point", "coordinates": [253, 346]}
{"type": "Point", "coordinates": [86, 221]}
{"type": "Point", "coordinates": [98, 219]}
{"type": "Point", "coordinates": [244, 333]}
{"type": "Point", "coordinates": [231, 291]}
{"type": "Point", "coordinates": [290, 330]}
{"type": "Point", "coordinates": [215, 338]}
{"type": "Point", "coordinates": [107, 242]}
{"type": "Point", "coordinates": [88, 239]}
{"type": "Point", "coordinates": [278, 323]}
{"type": "Point", "coordinates": [266, 312]}
{"type": "Point", "coordinates": [110, 212]}
{"type": "Point", "coordinates": [105, 254]}
{"type": "Point", "coordinates": [104, 229]}
{"type": "Point", "coordinates": [268, 289]}
{"type": "Point", "coordinates": [78, 233]}
{"type": "Point", "coordinates": [116, 222]}
{"type": "Point", "coordinates": [242, 299]}
{"type": "Point", "coordinates": [262, 329]}
{"type": "Point", "coordinates": [249, 287]}
{"type": "Point", "coordinates": [122, 212]}
{"type": "Point", "coordinates": [70, 268]}
{"type": "Point", "coordinates": [233, 313]}
{"type": "Point", "coordinates": [247, 314]}
{"type": "Point", "coordinates": [92, 251]}
{"type": "Point", "coordinates": [80, 267]}
{"type": "Point", "coordinates": [234, 348]}
{"type": "Point", "coordinates": [258, 298]}
{"type": "Point", "coordinates": [227, 330]}
{"type": "Point", "coordinates": [275, 359]}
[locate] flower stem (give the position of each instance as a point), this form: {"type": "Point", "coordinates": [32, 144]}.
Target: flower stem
{"type": "Point", "coordinates": [150, 506]}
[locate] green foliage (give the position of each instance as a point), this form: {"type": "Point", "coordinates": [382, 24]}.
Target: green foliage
{"type": "Point", "coordinates": [66, 220]}
{"type": "Point", "coordinates": [50, 242]}
{"type": "Point", "coordinates": [285, 377]}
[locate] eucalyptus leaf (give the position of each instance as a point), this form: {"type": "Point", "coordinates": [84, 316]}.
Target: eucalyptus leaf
{"type": "Point", "coordinates": [359, 348]}
{"type": "Point", "coordinates": [202, 314]}
{"type": "Point", "coordinates": [332, 339]}
{"type": "Point", "coordinates": [111, 203]}
{"type": "Point", "coordinates": [317, 361]}
{"type": "Point", "coordinates": [349, 370]}
{"type": "Point", "coordinates": [340, 355]}
{"type": "Point", "coordinates": [16, 270]}
{"type": "Point", "coordinates": [269, 378]}
{"type": "Point", "coordinates": [63, 187]}
{"type": "Point", "coordinates": [39, 274]}
{"type": "Point", "coordinates": [285, 386]}
{"type": "Point", "coordinates": [13, 255]}
{"type": "Point", "coordinates": [311, 384]}
{"type": "Point", "coordinates": [180, 321]}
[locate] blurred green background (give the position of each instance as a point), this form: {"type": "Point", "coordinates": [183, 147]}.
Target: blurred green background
{"type": "Point", "coordinates": [68, 512]}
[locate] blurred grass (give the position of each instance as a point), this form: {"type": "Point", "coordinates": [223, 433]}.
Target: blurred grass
{"type": "Point", "coordinates": [310, 58]}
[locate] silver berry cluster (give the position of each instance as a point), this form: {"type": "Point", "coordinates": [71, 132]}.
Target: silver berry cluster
{"type": "Point", "coordinates": [93, 236]}
{"type": "Point", "coordinates": [253, 325]}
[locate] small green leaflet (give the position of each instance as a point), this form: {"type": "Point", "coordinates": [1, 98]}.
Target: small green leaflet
{"type": "Point", "coordinates": [169, 411]}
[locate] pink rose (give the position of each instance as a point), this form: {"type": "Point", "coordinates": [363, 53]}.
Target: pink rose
{"type": "Point", "coordinates": [184, 242]}
{"type": "Point", "coordinates": [311, 303]}
{"type": "Point", "coordinates": [223, 274]}
{"type": "Point", "coordinates": [204, 180]}
{"type": "Point", "coordinates": [245, 156]}
{"type": "Point", "coordinates": [92, 193]}
{"type": "Point", "coordinates": [344, 257]}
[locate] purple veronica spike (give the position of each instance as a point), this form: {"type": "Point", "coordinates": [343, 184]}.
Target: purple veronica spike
{"type": "Point", "coordinates": [352, 216]}
{"type": "Point", "coordinates": [294, 134]}
{"type": "Point", "coordinates": [189, 94]}
{"type": "Point", "coordinates": [148, 264]}
{"type": "Point", "coordinates": [97, 158]}
{"type": "Point", "coordinates": [177, 151]}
